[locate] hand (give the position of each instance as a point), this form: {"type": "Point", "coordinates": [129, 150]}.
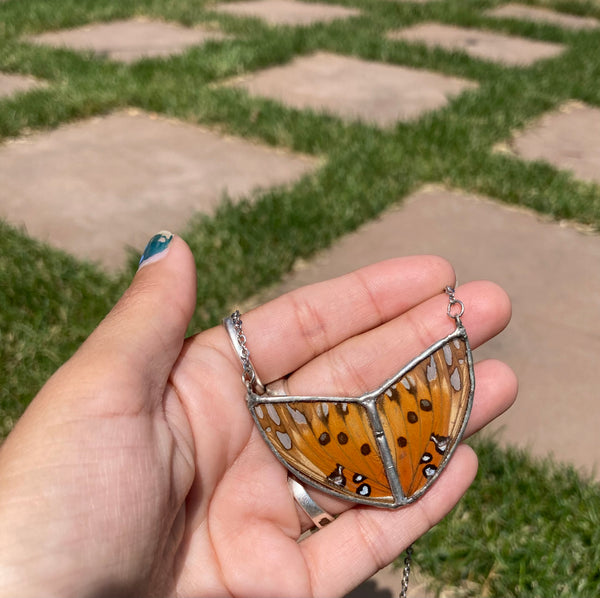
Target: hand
{"type": "Point", "coordinates": [138, 469]}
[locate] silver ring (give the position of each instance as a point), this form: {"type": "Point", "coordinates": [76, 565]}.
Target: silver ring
{"type": "Point", "coordinates": [318, 516]}
{"type": "Point", "coordinates": [277, 388]}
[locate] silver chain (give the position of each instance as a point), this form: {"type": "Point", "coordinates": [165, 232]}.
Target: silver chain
{"type": "Point", "coordinates": [249, 377]}
{"type": "Point", "coordinates": [406, 572]}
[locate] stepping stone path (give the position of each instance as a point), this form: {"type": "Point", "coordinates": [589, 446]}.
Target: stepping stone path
{"type": "Point", "coordinates": [352, 88]}
{"type": "Point", "coordinates": [543, 15]}
{"type": "Point", "coordinates": [568, 138]}
{"type": "Point", "coordinates": [96, 187]}
{"type": "Point", "coordinates": [10, 84]}
{"type": "Point", "coordinates": [551, 273]}
{"type": "Point", "coordinates": [288, 12]}
{"type": "Point", "coordinates": [510, 50]}
{"type": "Point", "coordinates": [130, 40]}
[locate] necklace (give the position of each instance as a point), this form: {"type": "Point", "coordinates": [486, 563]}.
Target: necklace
{"type": "Point", "coordinates": [384, 448]}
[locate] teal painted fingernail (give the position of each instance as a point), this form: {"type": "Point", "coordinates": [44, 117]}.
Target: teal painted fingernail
{"type": "Point", "coordinates": [156, 248]}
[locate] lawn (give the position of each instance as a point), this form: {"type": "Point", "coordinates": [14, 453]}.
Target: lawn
{"type": "Point", "coordinates": [526, 528]}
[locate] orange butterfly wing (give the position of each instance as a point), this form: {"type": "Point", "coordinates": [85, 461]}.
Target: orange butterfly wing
{"type": "Point", "coordinates": [384, 448]}
{"type": "Point", "coordinates": [424, 412]}
{"type": "Point", "coordinates": [330, 442]}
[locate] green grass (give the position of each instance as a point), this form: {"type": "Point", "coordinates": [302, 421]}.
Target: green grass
{"type": "Point", "coordinates": [525, 528]}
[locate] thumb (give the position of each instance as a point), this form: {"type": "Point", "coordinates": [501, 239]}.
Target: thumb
{"type": "Point", "coordinates": [124, 365]}
{"type": "Point", "coordinates": [143, 334]}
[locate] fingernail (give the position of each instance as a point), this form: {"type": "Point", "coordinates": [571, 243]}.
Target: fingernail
{"type": "Point", "coordinates": [156, 248]}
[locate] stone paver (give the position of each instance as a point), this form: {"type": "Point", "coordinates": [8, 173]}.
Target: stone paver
{"type": "Point", "coordinates": [510, 50]}
{"type": "Point", "coordinates": [387, 583]}
{"type": "Point", "coordinates": [288, 12]}
{"type": "Point", "coordinates": [129, 40]}
{"type": "Point", "coordinates": [96, 187]}
{"type": "Point", "coordinates": [551, 273]}
{"type": "Point", "coordinates": [353, 88]}
{"type": "Point", "coordinates": [543, 15]}
{"type": "Point", "coordinates": [10, 84]}
{"type": "Point", "coordinates": [568, 138]}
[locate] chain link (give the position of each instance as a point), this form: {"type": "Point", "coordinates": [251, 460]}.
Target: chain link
{"type": "Point", "coordinates": [452, 301]}
{"type": "Point", "coordinates": [249, 377]}
{"type": "Point", "coordinates": [406, 572]}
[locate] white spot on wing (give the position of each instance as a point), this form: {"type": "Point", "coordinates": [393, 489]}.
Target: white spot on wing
{"type": "Point", "coordinates": [405, 383]}
{"type": "Point", "coordinates": [297, 416]}
{"type": "Point", "coordinates": [273, 414]}
{"type": "Point", "coordinates": [259, 412]}
{"type": "Point", "coordinates": [448, 354]}
{"type": "Point", "coordinates": [455, 380]}
{"type": "Point", "coordinates": [285, 439]}
{"type": "Point", "coordinates": [431, 370]}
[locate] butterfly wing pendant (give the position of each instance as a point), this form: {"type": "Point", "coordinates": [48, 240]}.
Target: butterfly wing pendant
{"type": "Point", "coordinates": [386, 447]}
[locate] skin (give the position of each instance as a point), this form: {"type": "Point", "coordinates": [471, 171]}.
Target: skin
{"type": "Point", "coordinates": [138, 470]}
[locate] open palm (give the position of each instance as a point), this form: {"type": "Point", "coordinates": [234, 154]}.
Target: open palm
{"type": "Point", "coordinates": [138, 468]}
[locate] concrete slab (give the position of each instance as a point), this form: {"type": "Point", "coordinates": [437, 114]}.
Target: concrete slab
{"type": "Point", "coordinates": [288, 12]}
{"type": "Point", "coordinates": [95, 187]}
{"type": "Point", "coordinates": [510, 50]}
{"type": "Point", "coordinates": [551, 273]}
{"type": "Point", "coordinates": [352, 88]}
{"type": "Point", "coordinates": [568, 138]}
{"type": "Point", "coordinates": [387, 583]}
{"type": "Point", "coordinates": [130, 40]}
{"type": "Point", "coordinates": [543, 15]}
{"type": "Point", "coordinates": [10, 84]}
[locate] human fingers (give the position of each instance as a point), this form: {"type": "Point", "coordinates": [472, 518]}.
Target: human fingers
{"type": "Point", "coordinates": [496, 389]}
{"type": "Point", "coordinates": [363, 362]}
{"type": "Point", "coordinates": [289, 331]}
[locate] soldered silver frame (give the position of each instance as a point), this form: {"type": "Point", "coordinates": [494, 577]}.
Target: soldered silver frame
{"type": "Point", "coordinates": [368, 401]}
